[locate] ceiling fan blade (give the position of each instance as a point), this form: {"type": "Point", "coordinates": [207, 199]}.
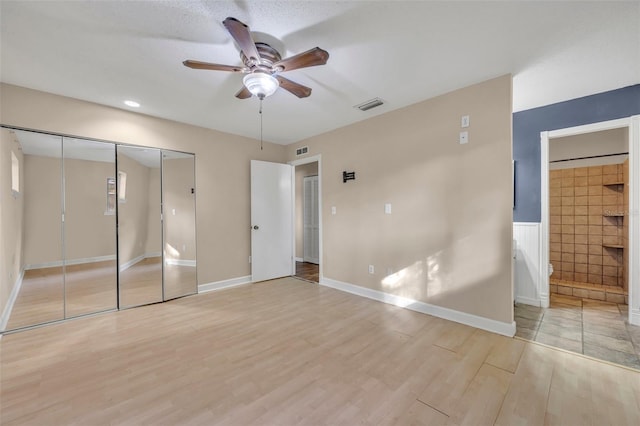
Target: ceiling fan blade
{"type": "Point", "coordinates": [310, 58]}
{"type": "Point", "coordinates": [296, 88]}
{"type": "Point", "coordinates": [243, 93]}
{"type": "Point", "coordinates": [241, 34]}
{"type": "Point", "coordinates": [215, 67]}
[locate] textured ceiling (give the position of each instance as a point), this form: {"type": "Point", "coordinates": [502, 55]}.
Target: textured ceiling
{"type": "Point", "coordinates": [402, 52]}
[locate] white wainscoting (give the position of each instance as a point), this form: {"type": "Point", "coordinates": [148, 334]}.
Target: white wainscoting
{"type": "Point", "coordinates": [528, 271]}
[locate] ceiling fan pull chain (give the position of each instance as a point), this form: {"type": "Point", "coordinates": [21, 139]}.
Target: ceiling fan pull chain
{"type": "Point", "coordinates": [261, 123]}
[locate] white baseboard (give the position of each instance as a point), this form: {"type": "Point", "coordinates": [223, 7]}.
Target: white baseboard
{"type": "Point", "coordinates": [506, 329]}
{"type": "Point", "coordinates": [79, 261]}
{"type": "Point", "coordinates": [299, 259]}
{"type": "Point", "coordinates": [219, 285]}
{"type": "Point", "coordinates": [181, 262]}
{"type": "Point", "coordinates": [527, 301]}
{"type": "Point", "coordinates": [140, 258]}
{"type": "Point", "coordinates": [6, 312]}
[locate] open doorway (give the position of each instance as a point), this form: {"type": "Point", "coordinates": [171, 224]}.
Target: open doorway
{"type": "Point", "coordinates": [589, 203]}
{"type": "Point", "coordinates": [307, 220]}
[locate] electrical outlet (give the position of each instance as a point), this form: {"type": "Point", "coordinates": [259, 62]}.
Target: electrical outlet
{"type": "Point", "coordinates": [464, 122]}
{"type": "Point", "coordinates": [464, 137]}
{"type": "Point", "coordinates": [371, 269]}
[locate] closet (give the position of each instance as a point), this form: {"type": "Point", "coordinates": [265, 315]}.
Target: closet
{"type": "Point", "coordinates": [91, 226]}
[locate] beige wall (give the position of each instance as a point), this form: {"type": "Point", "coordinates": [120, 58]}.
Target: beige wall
{"type": "Point", "coordinates": [154, 229]}
{"type": "Point", "coordinates": [222, 165]}
{"type": "Point", "coordinates": [135, 213]}
{"type": "Point", "coordinates": [448, 239]}
{"type": "Point", "coordinates": [88, 232]}
{"type": "Point", "coordinates": [42, 210]}
{"type": "Point", "coordinates": [302, 171]}
{"type": "Point", "coordinates": [11, 212]}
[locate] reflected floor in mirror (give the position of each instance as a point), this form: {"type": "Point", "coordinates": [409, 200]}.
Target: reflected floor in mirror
{"type": "Point", "coordinates": [141, 283]}
{"type": "Point", "coordinates": [179, 280]}
{"type": "Point", "coordinates": [88, 287]}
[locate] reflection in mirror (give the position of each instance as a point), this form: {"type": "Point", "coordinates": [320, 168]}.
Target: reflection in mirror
{"type": "Point", "coordinates": [178, 198]}
{"type": "Point", "coordinates": [32, 282]}
{"type": "Point", "coordinates": [139, 225]}
{"type": "Point", "coordinates": [89, 227]}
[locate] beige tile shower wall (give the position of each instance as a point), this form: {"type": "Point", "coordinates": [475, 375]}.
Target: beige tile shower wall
{"type": "Point", "coordinates": [583, 204]}
{"type": "Point", "coordinates": [448, 239]}
{"type": "Point", "coordinates": [222, 165]}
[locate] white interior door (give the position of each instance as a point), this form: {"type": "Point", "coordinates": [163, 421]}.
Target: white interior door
{"type": "Point", "coordinates": [311, 223]}
{"type": "Point", "coordinates": [271, 220]}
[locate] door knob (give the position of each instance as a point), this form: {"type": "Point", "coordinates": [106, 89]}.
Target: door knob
{"type": "Point", "coordinates": [256, 227]}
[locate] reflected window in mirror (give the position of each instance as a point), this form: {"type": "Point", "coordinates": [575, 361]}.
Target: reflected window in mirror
{"type": "Point", "coordinates": [122, 190]}
{"type": "Point", "coordinates": [111, 196]}
{"type": "Point", "coordinates": [15, 174]}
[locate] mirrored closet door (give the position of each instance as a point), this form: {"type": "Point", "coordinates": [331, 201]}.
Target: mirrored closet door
{"type": "Point", "coordinates": [89, 223]}
{"type": "Point", "coordinates": [139, 226]}
{"type": "Point", "coordinates": [178, 200]}
{"type": "Point", "coordinates": [32, 229]}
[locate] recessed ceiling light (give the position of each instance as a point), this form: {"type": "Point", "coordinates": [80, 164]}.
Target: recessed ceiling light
{"type": "Point", "coordinates": [132, 104]}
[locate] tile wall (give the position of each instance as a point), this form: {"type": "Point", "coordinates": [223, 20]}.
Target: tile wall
{"type": "Point", "coordinates": [586, 207]}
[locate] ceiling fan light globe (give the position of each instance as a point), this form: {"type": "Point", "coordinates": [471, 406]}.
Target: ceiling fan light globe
{"type": "Point", "coordinates": [261, 84]}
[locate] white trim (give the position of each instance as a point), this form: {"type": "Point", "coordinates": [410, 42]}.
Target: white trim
{"type": "Point", "coordinates": [80, 261]}
{"type": "Point", "coordinates": [299, 259]}
{"type": "Point", "coordinates": [633, 124]}
{"type": "Point", "coordinates": [299, 162]}
{"type": "Point", "coordinates": [528, 301]}
{"type": "Point", "coordinates": [180, 262]}
{"type": "Point", "coordinates": [544, 219]}
{"type": "Point", "coordinates": [132, 262]}
{"type": "Point", "coordinates": [6, 312]}
{"type": "Point", "coordinates": [140, 258]}
{"type": "Point", "coordinates": [220, 285]}
{"type": "Point", "coordinates": [590, 128]}
{"type": "Point", "coordinates": [633, 271]}
{"type": "Point", "coordinates": [506, 329]}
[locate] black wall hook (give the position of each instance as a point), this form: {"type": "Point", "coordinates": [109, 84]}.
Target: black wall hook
{"type": "Point", "coordinates": [348, 176]}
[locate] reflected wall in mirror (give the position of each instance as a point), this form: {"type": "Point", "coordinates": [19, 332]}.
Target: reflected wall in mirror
{"type": "Point", "coordinates": [32, 286]}
{"type": "Point", "coordinates": [89, 227]}
{"type": "Point", "coordinates": [178, 200]}
{"type": "Point", "coordinates": [139, 226]}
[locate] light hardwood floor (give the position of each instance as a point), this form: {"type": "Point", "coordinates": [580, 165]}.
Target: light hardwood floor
{"type": "Point", "coordinates": [289, 352]}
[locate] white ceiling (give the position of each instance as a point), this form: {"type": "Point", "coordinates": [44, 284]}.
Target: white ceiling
{"type": "Point", "coordinates": [402, 52]}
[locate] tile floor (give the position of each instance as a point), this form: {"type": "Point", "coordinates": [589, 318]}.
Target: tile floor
{"type": "Point", "coordinates": [593, 328]}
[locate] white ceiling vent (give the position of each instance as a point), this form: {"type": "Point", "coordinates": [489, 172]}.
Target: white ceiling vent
{"type": "Point", "coordinates": [302, 150]}
{"type": "Point", "coordinates": [371, 103]}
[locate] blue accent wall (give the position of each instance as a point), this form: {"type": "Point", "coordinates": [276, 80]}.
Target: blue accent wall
{"type": "Point", "coordinates": [528, 124]}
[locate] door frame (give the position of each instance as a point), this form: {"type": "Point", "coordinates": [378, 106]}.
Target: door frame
{"type": "Point", "coordinates": [312, 159]}
{"type": "Point", "coordinates": [633, 125]}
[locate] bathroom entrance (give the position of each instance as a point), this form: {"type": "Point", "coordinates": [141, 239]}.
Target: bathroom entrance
{"type": "Point", "coordinates": [589, 232]}
{"type": "Point", "coordinates": [588, 224]}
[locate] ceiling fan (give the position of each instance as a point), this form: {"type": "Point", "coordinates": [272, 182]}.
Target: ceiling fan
{"type": "Point", "coordinates": [263, 64]}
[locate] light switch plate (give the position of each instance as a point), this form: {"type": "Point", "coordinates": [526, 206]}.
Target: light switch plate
{"type": "Point", "coordinates": [387, 208]}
